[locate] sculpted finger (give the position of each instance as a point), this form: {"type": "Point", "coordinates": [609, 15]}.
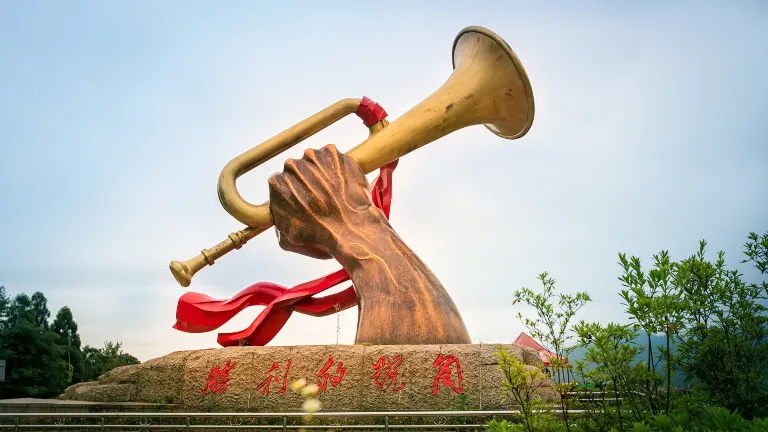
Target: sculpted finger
{"type": "Point", "coordinates": [281, 219]}
{"type": "Point", "coordinates": [347, 167]}
{"type": "Point", "coordinates": [348, 175]}
{"type": "Point", "coordinates": [272, 182]}
{"type": "Point", "coordinates": [310, 250]}
{"type": "Point", "coordinates": [329, 158]}
{"type": "Point", "coordinates": [307, 171]}
{"type": "Point", "coordinates": [280, 203]}
{"type": "Point", "coordinates": [311, 155]}
{"type": "Point", "coordinates": [288, 229]}
{"type": "Point", "coordinates": [317, 167]}
{"type": "Point", "coordinates": [357, 182]}
{"type": "Point", "coordinates": [301, 172]}
{"type": "Point", "coordinates": [278, 189]}
{"type": "Point", "coordinates": [330, 149]}
{"type": "Point", "coordinates": [351, 165]}
{"type": "Point", "coordinates": [352, 170]}
{"type": "Point", "coordinates": [326, 160]}
{"type": "Point", "coordinates": [292, 167]}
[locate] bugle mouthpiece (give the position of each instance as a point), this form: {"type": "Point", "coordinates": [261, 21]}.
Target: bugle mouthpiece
{"type": "Point", "coordinates": [181, 273]}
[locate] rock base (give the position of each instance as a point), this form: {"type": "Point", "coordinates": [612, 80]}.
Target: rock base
{"type": "Point", "coordinates": [349, 378]}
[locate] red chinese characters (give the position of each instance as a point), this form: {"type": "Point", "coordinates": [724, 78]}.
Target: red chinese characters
{"type": "Point", "coordinates": [444, 374]}
{"type": "Point", "coordinates": [218, 379]}
{"type": "Point", "coordinates": [326, 376]}
{"type": "Point", "coordinates": [386, 373]}
{"type": "Point", "coordinates": [264, 386]}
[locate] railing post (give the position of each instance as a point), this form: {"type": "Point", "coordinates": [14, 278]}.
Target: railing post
{"type": "Point", "coordinates": [16, 426]}
{"type": "Point", "coordinates": [102, 422]}
{"type": "Point", "coordinates": [386, 423]}
{"type": "Point", "coordinates": [285, 423]}
{"type": "Point", "coordinates": [189, 420]}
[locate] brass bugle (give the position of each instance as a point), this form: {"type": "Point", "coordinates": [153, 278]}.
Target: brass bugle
{"type": "Point", "coordinates": [488, 86]}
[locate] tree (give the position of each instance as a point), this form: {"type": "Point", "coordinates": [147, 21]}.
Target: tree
{"type": "Point", "coordinates": [115, 356]}
{"type": "Point", "coordinates": [34, 367]}
{"type": "Point", "coordinates": [612, 350]}
{"type": "Point", "coordinates": [554, 313]}
{"type": "Point", "coordinates": [65, 326]}
{"type": "Point", "coordinates": [96, 362]}
{"type": "Point", "coordinates": [20, 310]}
{"type": "Point", "coordinates": [5, 304]}
{"type": "Point", "coordinates": [724, 331]}
{"type": "Point", "coordinates": [34, 362]}
{"type": "Point", "coordinates": [522, 385]}
{"type": "Point", "coordinates": [756, 251]}
{"type": "Point", "coordinates": [91, 363]}
{"type": "Point", "coordinates": [42, 359]}
{"type": "Point", "coordinates": [40, 310]}
{"type": "Point", "coordinates": [652, 304]}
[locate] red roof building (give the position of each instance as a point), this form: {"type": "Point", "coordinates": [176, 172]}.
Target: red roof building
{"type": "Point", "coordinates": [524, 340]}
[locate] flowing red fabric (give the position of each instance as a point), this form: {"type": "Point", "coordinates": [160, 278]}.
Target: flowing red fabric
{"type": "Point", "coordinates": [199, 313]}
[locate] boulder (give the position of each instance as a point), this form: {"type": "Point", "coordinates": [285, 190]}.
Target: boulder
{"type": "Point", "coordinates": [349, 378]}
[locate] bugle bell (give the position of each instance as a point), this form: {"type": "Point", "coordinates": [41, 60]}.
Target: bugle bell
{"type": "Point", "coordinates": [488, 86]}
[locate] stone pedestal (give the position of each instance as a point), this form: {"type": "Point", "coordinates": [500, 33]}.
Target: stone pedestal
{"type": "Point", "coordinates": [349, 377]}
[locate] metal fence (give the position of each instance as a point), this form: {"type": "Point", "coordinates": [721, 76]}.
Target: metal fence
{"type": "Point", "coordinates": [409, 420]}
{"type": "Point", "coordinates": [338, 421]}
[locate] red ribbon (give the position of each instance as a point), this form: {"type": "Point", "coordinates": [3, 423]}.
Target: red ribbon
{"type": "Point", "coordinates": [199, 313]}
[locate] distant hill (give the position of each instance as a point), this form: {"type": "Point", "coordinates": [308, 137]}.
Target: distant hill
{"type": "Point", "coordinates": [678, 379]}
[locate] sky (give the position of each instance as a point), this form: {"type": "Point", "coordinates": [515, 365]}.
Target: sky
{"type": "Point", "coordinates": [116, 119]}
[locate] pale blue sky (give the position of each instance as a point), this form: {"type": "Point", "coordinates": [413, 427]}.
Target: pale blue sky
{"type": "Point", "coordinates": [117, 117]}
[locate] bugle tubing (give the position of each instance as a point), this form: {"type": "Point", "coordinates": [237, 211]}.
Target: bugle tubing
{"type": "Point", "coordinates": [488, 86]}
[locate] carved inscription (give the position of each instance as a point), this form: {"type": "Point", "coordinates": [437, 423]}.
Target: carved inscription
{"type": "Point", "coordinates": [445, 373]}
{"type": "Point", "coordinates": [386, 374]}
{"type": "Point", "coordinates": [328, 376]}
{"type": "Point", "coordinates": [218, 379]}
{"type": "Point", "coordinates": [264, 386]}
{"type": "Point", "coordinates": [385, 377]}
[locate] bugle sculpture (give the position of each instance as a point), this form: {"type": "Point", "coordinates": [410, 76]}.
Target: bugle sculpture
{"type": "Point", "coordinates": [488, 86]}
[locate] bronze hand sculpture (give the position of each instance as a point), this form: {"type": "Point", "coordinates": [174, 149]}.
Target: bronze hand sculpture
{"type": "Point", "coordinates": [321, 208]}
